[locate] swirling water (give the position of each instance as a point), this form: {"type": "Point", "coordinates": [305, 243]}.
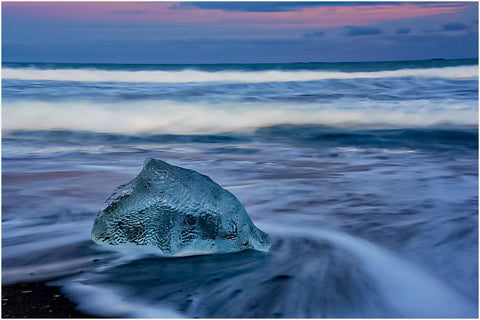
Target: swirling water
{"type": "Point", "coordinates": [365, 175]}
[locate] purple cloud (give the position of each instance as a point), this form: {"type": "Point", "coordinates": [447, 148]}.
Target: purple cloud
{"type": "Point", "coordinates": [403, 31]}
{"type": "Point", "coordinates": [314, 34]}
{"type": "Point", "coordinates": [353, 31]}
{"type": "Point", "coordinates": [454, 26]}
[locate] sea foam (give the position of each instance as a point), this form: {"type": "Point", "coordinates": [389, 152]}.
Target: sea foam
{"type": "Point", "coordinates": [164, 116]}
{"type": "Point", "coordinates": [190, 76]}
{"type": "Point", "coordinates": [113, 301]}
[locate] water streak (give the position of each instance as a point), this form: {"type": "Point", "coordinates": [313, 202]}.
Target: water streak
{"type": "Point", "coordinates": [412, 291]}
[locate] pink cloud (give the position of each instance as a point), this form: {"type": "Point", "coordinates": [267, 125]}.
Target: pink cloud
{"type": "Point", "coordinates": [173, 13]}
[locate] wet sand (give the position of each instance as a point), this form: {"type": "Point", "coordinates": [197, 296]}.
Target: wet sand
{"type": "Point", "coordinates": [36, 300]}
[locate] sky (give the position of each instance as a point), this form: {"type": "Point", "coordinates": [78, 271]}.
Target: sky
{"type": "Point", "coordinates": [237, 32]}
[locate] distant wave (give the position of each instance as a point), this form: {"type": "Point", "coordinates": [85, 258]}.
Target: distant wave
{"type": "Point", "coordinates": [187, 76]}
{"type": "Point", "coordinates": [200, 117]}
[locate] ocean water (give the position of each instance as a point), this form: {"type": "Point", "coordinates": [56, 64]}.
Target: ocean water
{"type": "Point", "coordinates": [365, 175]}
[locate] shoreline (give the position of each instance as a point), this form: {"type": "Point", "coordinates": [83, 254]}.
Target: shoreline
{"type": "Point", "coordinates": [37, 300]}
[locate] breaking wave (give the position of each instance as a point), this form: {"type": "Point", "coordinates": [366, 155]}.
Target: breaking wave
{"type": "Point", "coordinates": [180, 118]}
{"type": "Point", "coordinates": [190, 76]}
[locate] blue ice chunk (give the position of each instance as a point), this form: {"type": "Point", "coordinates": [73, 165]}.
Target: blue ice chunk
{"type": "Point", "coordinates": [179, 211]}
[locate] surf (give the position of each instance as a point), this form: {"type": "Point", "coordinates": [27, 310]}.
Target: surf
{"type": "Point", "coordinates": [227, 76]}
{"type": "Point", "coordinates": [164, 116]}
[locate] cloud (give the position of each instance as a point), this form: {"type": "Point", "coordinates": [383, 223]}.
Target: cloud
{"type": "Point", "coordinates": [454, 26]}
{"type": "Point", "coordinates": [290, 15]}
{"type": "Point", "coordinates": [129, 12]}
{"type": "Point", "coordinates": [403, 30]}
{"type": "Point", "coordinates": [252, 6]}
{"type": "Point", "coordinates": [314, 34]}
{"type": "Point", "coordinates": [272, 6]}
{"type": "Point", "coordinates": [353, 31]}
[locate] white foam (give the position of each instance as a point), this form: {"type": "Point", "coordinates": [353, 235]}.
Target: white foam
{"type": "Point", "coordinates": [130, 252]}
{"type": "Point", "coordinates": [179, 118]}
{"type": "Point", "coordinates": [409, 289]}
{"type": "Point", "coordinates": [114, 301]}
{"type": "Point", "coordinates": [186, 76]}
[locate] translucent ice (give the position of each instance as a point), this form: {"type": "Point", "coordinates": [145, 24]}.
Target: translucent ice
{"type": "Point", "coordinates": [179, 211]}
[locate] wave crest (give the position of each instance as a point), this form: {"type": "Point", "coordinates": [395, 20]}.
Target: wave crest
{"type": "Point", "coordinates": [190, 76]}
{"type": "Point", "coordinates": [201, 117]}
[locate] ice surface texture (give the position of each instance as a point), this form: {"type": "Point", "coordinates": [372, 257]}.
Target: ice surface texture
{"type": "Point", "coordinates": [179, 211]}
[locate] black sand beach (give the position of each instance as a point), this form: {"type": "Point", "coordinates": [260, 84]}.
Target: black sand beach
{"type": "Point", "coordinates": [37, 300]}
